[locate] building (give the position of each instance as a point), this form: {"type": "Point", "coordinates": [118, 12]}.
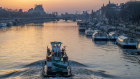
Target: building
{"type": "Point", "coordinates": [31, 10]}
{"type": "Point", "coordinates": [20, 10]}
{"type": "Point", "coordinates": [38, 9]}
{"type": "Point", "coordinates": [0, 8]}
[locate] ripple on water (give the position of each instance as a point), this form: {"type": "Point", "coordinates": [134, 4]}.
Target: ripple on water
{"type": "Point", "coordinates": [34, 71]}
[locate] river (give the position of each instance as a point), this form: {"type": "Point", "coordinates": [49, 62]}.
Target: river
{"type": "Point", "coordinates": [23, 49]}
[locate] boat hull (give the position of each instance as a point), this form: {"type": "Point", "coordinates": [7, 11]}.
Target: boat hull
{"type": "Point", "coordinates": [113, 38]}
{"type": "Point", "coordinates": [100, 38]}
{"type": "Point", "coordinates": [82, 30]}
{"type": "Point", "coordinates": [128, 46]}
{"type": "Point", "coordinates": [58, 73]}
{"type": "Point", "coordinates": [89, 34]}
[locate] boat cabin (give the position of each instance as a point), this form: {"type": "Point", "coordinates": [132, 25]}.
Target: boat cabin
{"type": "Point", "coordinates": [100, 34]}
{"type": "Point", "coordinates": [122, 38]}
{"type": "Point", "coordinates": [56, 46]}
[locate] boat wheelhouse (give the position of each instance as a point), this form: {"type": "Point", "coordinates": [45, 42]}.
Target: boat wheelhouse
{"type": "Point", "coordinates": [127, 42]}
{"type": "Point", "coordinates": [89, 32]}
{"type": "Point", "coordinates": [100, 36]}
{"type": "Point", "coordinates": [56, 63]}
{"type": "Point", "coordinates": [82, 25]}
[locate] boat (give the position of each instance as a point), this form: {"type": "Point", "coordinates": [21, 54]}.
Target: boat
{"type": "Point", "coordinates": [127, 42]}
{"type": "Point", "coordinates": [78, 22]}
{"type": "Point", "coordinates": [82, 25]}
{"type": "Point", "coordinates": [89, 32]}
{"type": "Point", "coordinates": [3, 24]}
{"type": "Point", "coordinates": [56, 63]}
{"type": "Point", "coordinates": [100, 36]}
{"type": "Point", "coordinates": [113, 35]}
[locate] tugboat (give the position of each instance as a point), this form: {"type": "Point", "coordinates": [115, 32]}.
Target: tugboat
{"type": "Point", "coordinates": [56, 63]}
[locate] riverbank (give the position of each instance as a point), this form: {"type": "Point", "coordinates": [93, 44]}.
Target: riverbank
{"type": "Point", "coordinates": [21, 21]}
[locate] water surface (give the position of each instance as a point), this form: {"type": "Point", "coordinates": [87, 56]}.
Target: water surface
{"type": "Point", "coordinates": [23, 49]}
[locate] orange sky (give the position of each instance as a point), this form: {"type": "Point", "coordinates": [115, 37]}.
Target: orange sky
{"type": "Point", "coordinates": [57, 5]}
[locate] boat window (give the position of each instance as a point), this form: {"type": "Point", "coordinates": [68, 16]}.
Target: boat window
{"type": "Point", "coordinates": [125, 40]}
{"type": "Point", "coordinates": [54, 45]}
{"type": "Point", "coordinates": [133, 40]}
{"type": "Point", "coordinates": [58, 45]}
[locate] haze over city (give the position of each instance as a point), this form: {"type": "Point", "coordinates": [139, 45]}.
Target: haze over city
{"type": "Point", "coordinates": [60, 6]}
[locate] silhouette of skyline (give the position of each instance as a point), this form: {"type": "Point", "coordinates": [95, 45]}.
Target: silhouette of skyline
{"type": "Point", "coordinates": [60, 6]}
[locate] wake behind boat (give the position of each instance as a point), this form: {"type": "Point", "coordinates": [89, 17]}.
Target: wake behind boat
{"type": "Point", "coordinates": [56, 63]}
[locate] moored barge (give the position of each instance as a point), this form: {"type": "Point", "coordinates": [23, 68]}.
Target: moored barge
{"type": "Point", "coordinates": [127, 42]}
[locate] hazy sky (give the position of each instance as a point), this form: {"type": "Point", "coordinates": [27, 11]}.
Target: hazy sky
{"type": "Point", "coordinates": [57, 5]}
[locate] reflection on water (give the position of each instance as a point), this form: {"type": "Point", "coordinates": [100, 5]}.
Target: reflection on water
{"type": "Point", "coordinates": [131, 51]}
{"type": "Point", "coordinates": [35, 24]}
{"type": "Point", "coordinates": [113, 42]}
{"type": "Point", "coordinates": [100, 42]}
{"type": "Point", "coordinates": [23, 49]}
{"type": "Point", "coordinates": [89, 37]}
{"type": "Point", "coordinates": [81, 33]}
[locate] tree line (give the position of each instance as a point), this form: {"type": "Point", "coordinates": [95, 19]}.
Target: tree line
{"type": "Point", "coordinates": [128, 13]}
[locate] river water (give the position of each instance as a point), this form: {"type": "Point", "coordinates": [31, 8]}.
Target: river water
{"type": "Point", "coordinates": [23, 49]}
